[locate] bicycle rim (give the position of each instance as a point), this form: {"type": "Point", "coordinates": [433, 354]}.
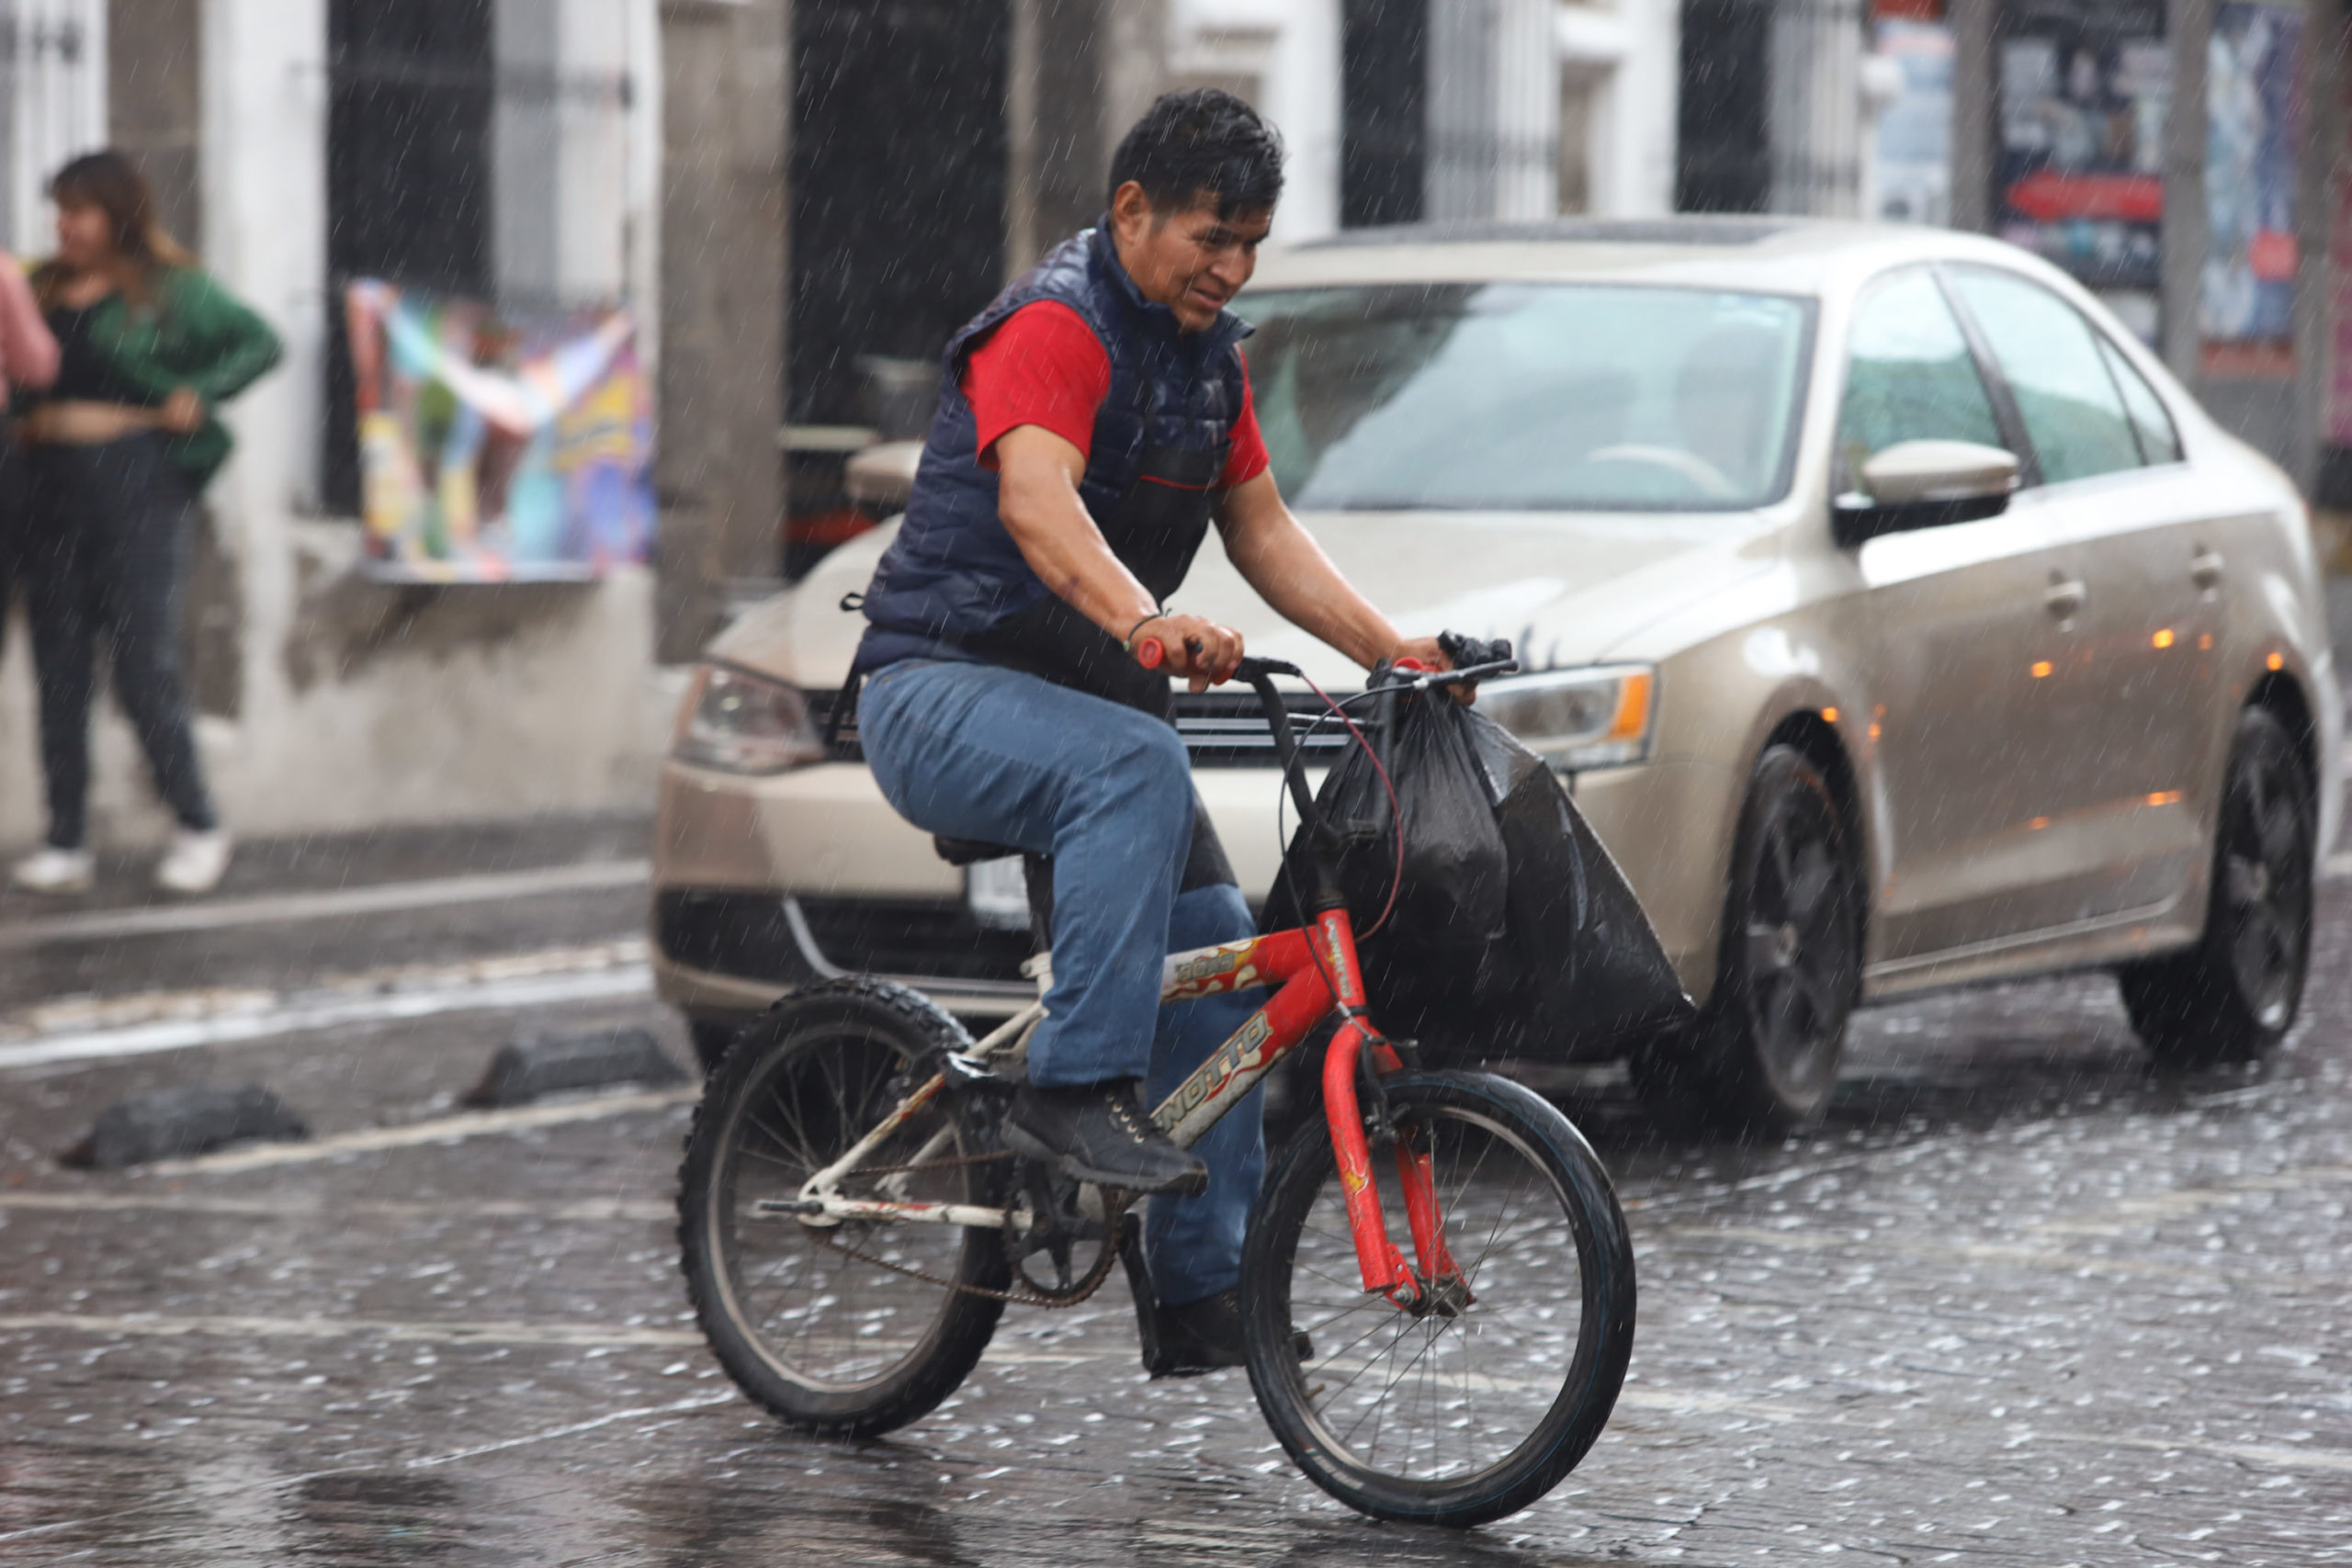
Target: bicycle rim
{"type": "Point", "coordinates": [831, 1309]}
{"type": "Point", "coordinates": [1449, 1420]}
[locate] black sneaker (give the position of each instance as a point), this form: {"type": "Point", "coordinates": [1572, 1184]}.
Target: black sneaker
{"type": "Point", "coordinates": [1205, 1337]}
{"type": "Point", "coordinates": [1098, 1133]}
{"type": "Point", "coordinates": [1198, 1336]}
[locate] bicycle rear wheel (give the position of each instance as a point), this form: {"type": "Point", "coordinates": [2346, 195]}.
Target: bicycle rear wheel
{"type": "Point", "coordinates": [829, 1327]}
{"type": "Point", "coordinates": [1438, 1419]}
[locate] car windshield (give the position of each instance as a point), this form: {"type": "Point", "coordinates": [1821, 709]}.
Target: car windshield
{"type": "Point", "coordinates": [1514, 396]}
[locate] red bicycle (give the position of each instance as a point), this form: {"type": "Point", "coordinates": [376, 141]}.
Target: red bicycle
{"type": "Point", "coordinates": [854, 1226]}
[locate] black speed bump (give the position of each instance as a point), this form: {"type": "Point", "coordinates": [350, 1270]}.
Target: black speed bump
{"type": "Point", "coordinates": [173, 1123]}
{"type": "Point", "coordinates": [537, 1064]}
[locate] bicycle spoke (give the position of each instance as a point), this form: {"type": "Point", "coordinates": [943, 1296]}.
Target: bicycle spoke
{"type": "Point", "coordinates": [1443, 1396]}
{"type": "Point", "coordinates": [822, 1301]}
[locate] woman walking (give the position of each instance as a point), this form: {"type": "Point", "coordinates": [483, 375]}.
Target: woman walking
{"type": "Point", "coordinates": [120, 447]}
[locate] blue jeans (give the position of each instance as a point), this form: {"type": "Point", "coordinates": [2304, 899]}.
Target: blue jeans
{"type": "Point", "coordinates": [979, 752]}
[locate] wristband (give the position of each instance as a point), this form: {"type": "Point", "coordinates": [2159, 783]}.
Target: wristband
{"type": "Point", "coordinates": [1127, 643]}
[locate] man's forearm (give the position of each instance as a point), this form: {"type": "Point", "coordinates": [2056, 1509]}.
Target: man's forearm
{"type": "Point", "coordinates": [1039, 504]}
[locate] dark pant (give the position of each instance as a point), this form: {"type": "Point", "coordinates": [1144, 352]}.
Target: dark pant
{"type": "Point", "coordinates": [103, 561]}
{"type": "Point", "coordinates": [13, 499]}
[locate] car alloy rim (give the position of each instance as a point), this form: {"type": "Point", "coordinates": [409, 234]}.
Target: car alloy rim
{"type": "Point", "coordinates": [2266, 888]}
{"type": "Point", "coordinates": [1795, 988]}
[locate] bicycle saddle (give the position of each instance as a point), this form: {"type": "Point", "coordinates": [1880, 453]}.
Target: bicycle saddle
{"type": "Point", "coordinates": [969, 852]}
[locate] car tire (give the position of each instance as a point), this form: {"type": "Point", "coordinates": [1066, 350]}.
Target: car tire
{"type": "Point", "coordinates": [1763, 1057]}
{"type": "Point", "coordinates": [2234, 996]}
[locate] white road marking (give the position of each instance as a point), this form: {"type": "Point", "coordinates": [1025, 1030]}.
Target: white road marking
{"type": "Point", "coordinates": [2337, 865]}
{"type": "Point", "coordinates": [439, 1130]}
{"type": "Point", "coordinates": [590, 1210]}
{"type": "Point", "coordinates": [288, 908]}
{"type": "Point", "coordinates": [259, 1329]}
{"type": "Point", "coordinates": [330, 1009]}
{"type": "Point", "coordinates": [276, 1484]}
{"type": "Point", "coordinates": [676, 1407]}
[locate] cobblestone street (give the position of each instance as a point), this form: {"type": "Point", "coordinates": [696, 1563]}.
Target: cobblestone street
{"type": "Point", "coordinates": [2020, 1301]}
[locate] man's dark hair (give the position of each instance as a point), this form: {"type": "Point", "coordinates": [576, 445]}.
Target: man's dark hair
{"type": "Point", "coordinates": [1202, 144]}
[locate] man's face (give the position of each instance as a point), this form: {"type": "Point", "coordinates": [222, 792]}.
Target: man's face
{"type": "Point", "coordinates": [1192, 261]}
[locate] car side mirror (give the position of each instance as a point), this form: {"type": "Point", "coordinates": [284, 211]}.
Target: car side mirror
{"type": "Point", "coordinates": [1924, 484]}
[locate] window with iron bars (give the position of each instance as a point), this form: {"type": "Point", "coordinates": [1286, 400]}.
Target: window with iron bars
{"type": "Point", "coordinates": [475, 148]}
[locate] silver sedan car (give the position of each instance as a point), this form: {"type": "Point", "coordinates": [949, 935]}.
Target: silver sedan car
{"type": "Point", "coordinates": [1894, 615]}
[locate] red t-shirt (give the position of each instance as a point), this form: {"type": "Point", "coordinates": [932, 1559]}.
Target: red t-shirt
{"type": "Point", "coordinates": [1044, 366]}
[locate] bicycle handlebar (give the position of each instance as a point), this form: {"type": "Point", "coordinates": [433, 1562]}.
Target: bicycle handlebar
{"type": "Point", "coordinates": [1151, 653]}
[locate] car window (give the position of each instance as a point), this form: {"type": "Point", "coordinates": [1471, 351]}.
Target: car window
{"type": "Point", "coordinates": [1536, 396]}
{"type": "Point", "coordinates": [2159, 443]}
{"type": "Point", "coordinates": [2073, 413]}
{"type": "Point", "coordinates": [1909, 376]}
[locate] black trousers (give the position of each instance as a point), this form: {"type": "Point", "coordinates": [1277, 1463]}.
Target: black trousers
{"type": "Point", "coordinates": [12, 501]}
{"type": "Point", "coordinates": [104, 558]}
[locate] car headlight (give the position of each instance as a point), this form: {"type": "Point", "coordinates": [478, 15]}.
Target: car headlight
{"type": "Point", "coordinates": [741, 723]}
{"type": "Point", "coordinates": [1595, 717]}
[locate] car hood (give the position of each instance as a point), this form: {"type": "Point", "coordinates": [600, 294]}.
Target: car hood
{"type": "Point", "coordinates": [1566, 588]}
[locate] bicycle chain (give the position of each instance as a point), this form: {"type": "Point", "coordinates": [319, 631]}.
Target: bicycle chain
{"type": "Point", "coordinates": [1082, 1291]}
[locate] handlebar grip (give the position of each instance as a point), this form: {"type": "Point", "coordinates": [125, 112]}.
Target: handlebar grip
{"type": "Point", "coordinates": [1151, 653]}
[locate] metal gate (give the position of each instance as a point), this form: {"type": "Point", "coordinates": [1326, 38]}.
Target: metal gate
{"type": "Point", "coordinates": [53, 71]}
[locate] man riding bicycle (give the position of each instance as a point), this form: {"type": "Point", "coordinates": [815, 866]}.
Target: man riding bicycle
{"type": "Point", "coordinates": [1093, 423]}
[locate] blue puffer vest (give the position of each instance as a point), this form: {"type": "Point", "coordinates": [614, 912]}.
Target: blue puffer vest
{"type": "Point", "coordinates": [954, 584]}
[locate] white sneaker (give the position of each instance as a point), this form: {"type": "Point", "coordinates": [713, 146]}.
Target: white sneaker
{"type": "Point", "coordinates": [195, 863]}
{"type": "Point", "coordinates": [55, 871]}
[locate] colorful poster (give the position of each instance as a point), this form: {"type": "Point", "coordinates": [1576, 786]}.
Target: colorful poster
{"type": "Point", "coordinates": [2253, 126]}
{"type": "Point", "coordinates": [498, 451]}
{"type": "Point", "coordinates": [2081, 176]}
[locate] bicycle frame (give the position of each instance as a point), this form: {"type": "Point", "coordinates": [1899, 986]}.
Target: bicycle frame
{"type": "Point", "coordinates": [1314, 972]}
{"type": "Point", "coordinates": [1301, 964]}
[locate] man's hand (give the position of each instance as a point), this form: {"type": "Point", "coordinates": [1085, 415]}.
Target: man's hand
{"type": "Point", "coordinates": [1425, 650]}
{"type": "Point", "coordinates": [1199, 649]}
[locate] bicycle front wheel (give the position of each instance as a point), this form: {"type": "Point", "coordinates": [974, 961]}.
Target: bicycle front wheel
{"type": "Point", "coordinates": [1473, 1410]}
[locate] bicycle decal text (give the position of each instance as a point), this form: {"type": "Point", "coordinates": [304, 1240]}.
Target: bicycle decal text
{"type": "Point", "coordinates": [1211, 972]}
{"type": "Point", "coordinates": [1245, 1053]}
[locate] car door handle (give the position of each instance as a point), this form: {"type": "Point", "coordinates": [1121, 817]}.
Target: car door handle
{"type": "Point", "coordinates": [2205, 568]}
{"type": "Point", "coordinates": [2065, 596]}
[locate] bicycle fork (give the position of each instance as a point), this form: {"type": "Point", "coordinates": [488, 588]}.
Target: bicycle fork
{"type": "Point", "coordinates": [1437, 1284]}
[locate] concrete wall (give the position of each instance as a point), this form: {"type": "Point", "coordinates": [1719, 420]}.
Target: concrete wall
{"type": "Point", "coordinates": [728, 70]}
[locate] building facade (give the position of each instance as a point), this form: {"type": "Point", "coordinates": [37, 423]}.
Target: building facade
{"type": "Point", "coordinates": [512, 150]}
{"type": "Point", "coordinates": [841, 178]}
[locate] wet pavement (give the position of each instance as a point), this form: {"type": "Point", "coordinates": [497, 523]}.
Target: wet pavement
{"type": "Point", "coordinates": [2020, 1301]}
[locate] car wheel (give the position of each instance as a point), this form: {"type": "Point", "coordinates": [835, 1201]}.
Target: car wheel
{"type": "Point", "coordinates": [1763, 1057]}
{"type": "Point", "coordinates": [2234, 994]}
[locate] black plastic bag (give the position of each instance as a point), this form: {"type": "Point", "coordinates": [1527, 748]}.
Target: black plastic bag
{"type": "Point", "coordinates": [1453, 896]}
{"type": "Point", "coordinates": [1513, 934]}
{"type": "Point", "coordinates": [1588, 975]}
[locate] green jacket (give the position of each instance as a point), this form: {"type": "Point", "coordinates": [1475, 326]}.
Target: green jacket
{"type": "Point", "coordinates": [190, 332]}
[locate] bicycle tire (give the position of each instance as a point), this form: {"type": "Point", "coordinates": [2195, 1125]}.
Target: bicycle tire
{"type": "Point", "coordinates": [1454, 1112]}
{"type": "Point", "coordinates": [858, 1020]}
